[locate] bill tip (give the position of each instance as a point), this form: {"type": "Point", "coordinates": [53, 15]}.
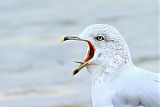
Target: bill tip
{"type": "Point", "coordinates": [75, 72]}
{"type": "Point", "coordinates": [61, 39]}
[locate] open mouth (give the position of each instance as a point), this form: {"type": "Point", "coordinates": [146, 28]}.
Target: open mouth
{"type": "Point", "coordinates": [89, 56]}
{"type": "Point", "coordinates": [90, 52]}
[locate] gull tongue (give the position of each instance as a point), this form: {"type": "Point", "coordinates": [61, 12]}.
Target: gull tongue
{"type": "Point", "coordinates": [79, 62]}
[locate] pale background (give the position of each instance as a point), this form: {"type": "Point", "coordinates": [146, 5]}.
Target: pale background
{"type": "Point", "coordinates": [35, 69]}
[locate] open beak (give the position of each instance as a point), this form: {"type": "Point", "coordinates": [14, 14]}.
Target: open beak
{"type": "Point", "coordinates": [89, 55]}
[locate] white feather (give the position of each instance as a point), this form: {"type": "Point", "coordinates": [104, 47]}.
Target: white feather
{"type": "Point", "coordinates": [116, 81]}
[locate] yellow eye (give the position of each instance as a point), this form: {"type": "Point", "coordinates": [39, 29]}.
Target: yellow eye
{"type": "Point", "coordinates": [100, 38]}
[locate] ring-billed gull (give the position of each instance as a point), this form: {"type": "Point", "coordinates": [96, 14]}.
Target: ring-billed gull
{"type": "Point", "coordinates": [116, 81]}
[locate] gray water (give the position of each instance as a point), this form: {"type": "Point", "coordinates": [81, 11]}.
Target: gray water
{"type": "Point", "coordinates": [35, 69]}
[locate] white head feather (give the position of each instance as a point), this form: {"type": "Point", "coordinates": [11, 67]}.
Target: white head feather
{"type": "Point", "coordinates": [111, 53]}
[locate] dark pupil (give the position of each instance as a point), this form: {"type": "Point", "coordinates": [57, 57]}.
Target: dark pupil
{"type": "Point", "coordinates": [100, 38]}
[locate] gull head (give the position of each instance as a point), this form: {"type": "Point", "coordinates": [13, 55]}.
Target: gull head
{"type": "Point", "coordinates": [107, 48]}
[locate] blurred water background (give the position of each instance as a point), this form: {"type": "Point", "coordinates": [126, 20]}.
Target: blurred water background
{"type": "Point", "coordinates": [35, 69]}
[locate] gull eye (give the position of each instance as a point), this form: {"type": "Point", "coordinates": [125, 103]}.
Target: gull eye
{"type": "Point", "coordinates": [99, 38]}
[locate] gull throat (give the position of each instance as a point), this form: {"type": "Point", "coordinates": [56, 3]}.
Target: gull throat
{"type": "Point", "coordinates": [90, 52]}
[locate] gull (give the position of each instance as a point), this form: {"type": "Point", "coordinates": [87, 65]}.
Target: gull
{"type": "Point", "coordinates": [116, 81]}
